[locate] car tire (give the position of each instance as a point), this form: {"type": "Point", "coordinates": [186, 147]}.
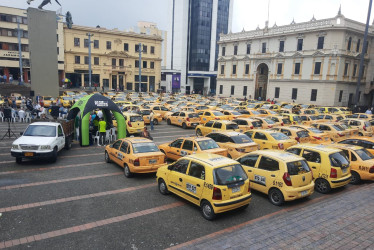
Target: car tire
{"type": "Point", "coordinates": [107, 158]}
{"type": "Point", "coordinates": [276, 197]}
{"type": "Point", "coordinates": [355, 179]}
{"type": "Point", "coordinates": [54, 155]}
{"type": "Point", "coordinates": [127, 172]}
{"type": "Point", "coordinates": [162, 187]}
{"type": "Point", "coordinates": [168, 122]}
{"type": "Point", "coordinates": [155, 122]}
{"type": "Point", "coordinates": [207, 210]}
{"type": "Point", "coordinates": [18, 160]}
{"type": "Point", "coordinates": [322, 186]}
{"type": "Point", "coordinates": [184, 125]}
{"type": "Point", "coordinates": [68, 144]}
{"type": "Point", "coordinates": [198, 132]}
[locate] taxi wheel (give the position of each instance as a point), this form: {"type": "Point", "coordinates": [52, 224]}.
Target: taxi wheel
{"type": "Point", "coordinates": [322, 186]}
{"type": "Point", "coordinates": [127, 172]}
{"type": "Point", "coordinates": [184, 125]}
{"type": "Point", "coordinates": [162, 187]}
{"type": "Point", "coordinates": [198, 132]}
{"type": "Point", "coordinates": [168, 122]}
{"type": "Point", "coordinates": [107, 158]}
{"type": "Point", "coordinates": [19, 160]}
{"type": "Point", "coordinates": [207, 210]}
{"type": "Point", "coordinates": [355, 179]}
{"type": "Point", "coordinates": [155, 122]}
{"type": "Point", "coordinates": [276, 197]}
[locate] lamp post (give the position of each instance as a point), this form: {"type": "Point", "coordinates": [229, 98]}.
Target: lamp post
{"type": "Point", "coordinates": [89, 60]}
{"type": "Point", "coordinates": [140, 67]}
{"type": "Point", "coordinates": [20, 52]}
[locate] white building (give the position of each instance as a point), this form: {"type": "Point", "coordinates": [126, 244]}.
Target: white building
{"type": "Point", "coordinates": [313, 62]}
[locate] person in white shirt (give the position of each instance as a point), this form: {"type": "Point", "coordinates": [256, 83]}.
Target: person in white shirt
{"type": "Point", "coordinates": [100, 114]}
{"type": "Point", "coordinates": [368, 111]}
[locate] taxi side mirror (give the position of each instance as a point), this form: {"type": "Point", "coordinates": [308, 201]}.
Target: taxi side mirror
{"type": "Point", "coordinates": [170, 167]}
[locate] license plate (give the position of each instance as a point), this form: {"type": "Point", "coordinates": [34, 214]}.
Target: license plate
{"type": "Point", "coordinates": [344, 170]}
{"type": "Point", "coordinates": [194, 124]}
{"type": "Point", "coordinates": [303, 193]}
{"type": "Point", "coordinates": [139, 130]}
{"type": "Point", "coordinates": [235, 189]}
{"type": "Point", "coordinates": [29, 154]}
{"type": "Point", "coordinates": [153, 161]}
{"type": "Point", "coordinates": [326, 138]}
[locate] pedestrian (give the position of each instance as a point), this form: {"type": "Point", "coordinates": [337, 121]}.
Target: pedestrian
{"type": "Point", "coordinates": [146, 134]}
{"type": "Point", "coordinates": [77, 125]}
{"type": "Point", "coordinates": [4, 77]}
{"type": "Point", "coordinates": [11, 79]}
{"type": "Point", "coordinates": [95, 84]}
{"type": "Point", "coordinates": [250, 97]}
{"type": "Point", "coordinates": [102, 88]}
{"type": "Point", "coordinates": [245, 98]}
{"type": "Point", "coordinates": [1, 78]}
{"type": "Point", "coordinates": [151, 117]}
{"type": "Point", "coordinates": [102, 132]}
{"type": "Point", "coordinates": [368, 111]}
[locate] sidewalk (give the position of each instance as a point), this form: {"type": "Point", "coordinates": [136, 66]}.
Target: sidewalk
{"type": "Point", "coordinates": [345, 221]}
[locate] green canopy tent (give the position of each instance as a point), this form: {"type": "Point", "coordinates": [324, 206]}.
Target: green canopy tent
{"type": "Point", "coordinates": [86, 105]}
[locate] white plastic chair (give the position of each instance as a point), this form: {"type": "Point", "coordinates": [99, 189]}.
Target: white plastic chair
{"type": "Point", "coordinates": [113, 135]}
{"type": "Point", "coordinates": [2, 116]}
{"type": "Point", "coordinates": [97, 138]}
{"type": "Point", "coordinates": [22, 116]}
{"type": "Point", "coordinates": [107, 136]}
{"type": "Point", "coordinates": [28, 117]}
{"type": "Point", "coordinates": [14, 117]}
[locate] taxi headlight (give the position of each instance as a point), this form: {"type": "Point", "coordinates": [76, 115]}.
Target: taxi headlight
{"type": "Point", "coordinates": [45, 147]}
{"type": "Point", "coordinates": [15, 146]}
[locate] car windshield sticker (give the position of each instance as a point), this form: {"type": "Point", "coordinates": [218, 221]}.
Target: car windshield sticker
{"type": "Point", "coordinates": [191, 188]}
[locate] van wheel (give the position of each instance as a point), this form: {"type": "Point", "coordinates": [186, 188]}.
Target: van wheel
{"type": "Point", "coordinates": [198, 132]}
{"type": "Point", "coordinates": [322, 186]}
{"type": "Point", "coordinates": [207, 210]}
{"type": "Point", "coordinates": [355, 179]}
{"type": "Point", "coordinates": [155, 122]}
{"type": "Point", "coordinates": [107, 158]}
{"type": "Point", "coordinates": [19, 160]}
{"type": "Point", "coordinates": [68, 144]}
{"type": "Point", "coordinates": [184, 125]}
{"type": "Point", "coordinates": [168, 122]}
{"type": "Point", "coordinates": [127, 172]}
{"type": "Point", "coordinates": [54, 155]}
{"type": "Point", "coordinates": [162, 187]}
{"type": "Point", "coordinates": [276, 197]}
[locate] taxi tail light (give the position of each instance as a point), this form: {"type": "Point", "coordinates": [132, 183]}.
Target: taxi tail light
{"type": "Point", "coordinates": [282, 124]}
{"type": "Point", "coordinates": [287, 179]}
{"type": "Point", "coordinates": [249, 188]}
{"type": "Point", "coordinates": [297, 139]}
{"type": "Point", "coordinates": [129, 123]}
{"type": "Point", "coordinates": [371, 170]}
{"type": "Point", "coordinates": [217, 194]}
{"type": "Point", "coordinates": [364, 128]}
{"type": "Point", "coordinates": [270, 126]}
{"type": "Point", "coordinates": [333, 173]}
{"type": "Point", "coordinates": [188, 119]}
{"type": "Point", "coordinates": [293, 123]}
{"type": "Point", "coordinates": [340, 134]}
{"type": "Point", "coordinates": [137, 162]}
{"type": "Point", "coordinates": [318, 138]}
{"type": "Point", "coordinates": [280, 146]}
{"type": "Point", "coordinates": [241, 150]}
{"type": "Point", "coordinates": [216, 118]}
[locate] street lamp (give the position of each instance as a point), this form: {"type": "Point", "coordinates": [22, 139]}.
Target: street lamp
{"type": "Point", "coordinates": [20, 51]}
{"type": "Point", "coordinates": [89, 60]}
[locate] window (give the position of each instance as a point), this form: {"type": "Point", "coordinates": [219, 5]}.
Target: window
{"type": "Point", "coordinates": [217, 125]}
{"type": "Point", "coordinates": [299, 44]}
{"type": "Point", "coordinates": [279, 69]}
{"type": "Point", "coordinates": [268, 164]}
{"type": "Point", "coordinates": [117, 144]}
{"type": "Point", "coordinates": [277, 90]}
{"type": "Point", "coordinates": [220, 89]}
{"type": "Point", "coordinates": [114, 62]}
{"type": "Point", "coordinates": [234, 69]}
{"type": "Point", "coordinates": [294, 94]}
{"type": "Point", "coordinates": [281, 46]}
{"type": "Point", "coordinates": [297, 69]}
{"type": "Point", "coordinates": [96, 61]}
{"type": "Point", "coordinates": [223, 51]}
{"type": "Point", "coordinates": [317, 68]}
{"type": "Point", "coordinates": [96, 44]}
{"type": "Point", "coordinates": [77, 59]}
{"type": "Point", "coordinates": [126, 47]}
{"type": "Point", "coordinates": [249, 160]}
{"type": "Point", "coordinates": [235, 49]}
{"type": "Point", "coordinates": [57, 38]}
{"type": "Point", "coordinates": [124, 147]}
{"type": "Point", "coordinates": [145, 49]}
{"type": "Point", "coordinates": [232, 89]}
{"type": "Point", "coordinates": [136, 47]}
{"type": "Point", "coordinates": [136, 64]}
{"type": "Point", "coordinates": [358, 45]}
{"type": "Point", "coordinates": [176, 143]}
{"type": "Point", "coordinates": [340, 95]}
{"type": "Point", "coordinates": [321, 41]}
{"type": "Point", "coordinates": [144, 64]}
{"type": "Point", "coordinates": [86, 61]}
{"type": "Point", "coordinates": [313, 96]}
{"type": "Point", "coordinates": [181, 166]}
{"type": "Point", "coordinates": [188, 145]}
{"type": "Point", "coordinates": [108, 45]}
{"type": "Point", "coordinates": [86, 43]}
{"type": "Point", "coordinates": [152, 65]}
{"type": "Point", "coordinates": [152, 49]}
{"type": "Point", "coordinates": [222, 69]}
{"type": "Point", "coordinates": [366, 47]}
{"type": "Point", "coordinates": [349, 44]}
{"type": "Point", "coordinates": [354, 70]}
{"type": "Point", "coordinates": [121, 62]}
{"type": "Point", "coordinates": [263, 48]}
{"type": "Point", "coordinates": [77, 42]}
{"type": "Point", "coordinates": [295, 151]}
{"type": "Point", "coordinates": [209, 124]}
{"type": "Point", "coordinates": [346, 69]}
{"type": "Point", "coordinates": [246, 69]}
{"type": "Point", "coordinates": [260, 136]}
{"type": "Point", "coordinates": [363, 72]}
{"type": "Point", "coordinates": [197, 170]}
{"type": "Point", "coordinates": [312, 156]}
{"type": "Point", "coordinates": [245, 91]}
{"type": "Point", "coordinates": [248, 49]}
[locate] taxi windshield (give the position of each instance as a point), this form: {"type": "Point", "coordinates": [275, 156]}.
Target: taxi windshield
{"type": "Point", "coordinates": [218, 114]}
{"type": "Point", "coordinates": [297, 167]}
{"type": "Point", "coordinates": [207, 144]}
{"type": "Point", "coordinates": [67, 98]}
{"type": "Point", "coordinates": [232, 126]}
{"type": "Point", "coordinates": [364, 154]}
{"type": "Point", "coordinates": [40, 130]}
{"type": "Point", "coordinates": [315, 130]}
{"type": "Point", "coordinates": [144, 147]}
{"type": "Point", "coordinates": [255, 112]}
{"type": "Point", "coordinates": [229, 175]}
{"type": "Point", "coordinates": [269, 121]}
{"type": "Point", "coordinates": [279, 136]}
{"type": "Point", "coordinates": [240, 139]}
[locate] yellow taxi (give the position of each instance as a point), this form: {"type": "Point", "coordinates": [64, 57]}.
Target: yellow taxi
{"type": "Point", "coordinates": [236, 143]}
{"type": "Point", "coordinates": [308, 119]}
{"type": "Point", "coordinates": [135, 155]}
{"type": "Point", "coordinates": [270, 139]}
{"type": "Point", "coordinates": [65, 101]}
{"type": "Point", "coordinates": [362, 116]}
{"type": "Point", "coordinates": [295, 119]}
{"type": "Point", "coordinates": [135, 123]}
{"type": "Point", "coordinates": [254, 106]}
{"type": "Point", "coordinates": [283, 121]}
{"type": "Point", "coordinates": [335, 131]}
{"type": "Point", "coordinates": [214, 126]}
{"type": "Point", "coordinates": [365, 142]}
{"type": "Point", "coordinates": [330, 166]}
{"type": "Point", "coordinates": [214, 183]}
{"type": "Point", "coordinates": [273, 107]}
{"type": "Point", "coordinates": [352, 131]}
{"type": "Point", "coordinates": [120, 100]}
{"type": "Point", "coordinates": [157, 118]}
{"type": "Point", "coordinates": [266, 112]}
{"type": "Point", "coordinates": [231, 115]}
{"type": "Point", "coordinates": [48, 101]}
{"type": "Point", "coordinates": [110, 94]}
{"type": "Point", "coordinates": [184, 119]}
{"type": "Point", "coordinates": [247, 124]}
{"type": "Point", "coordinates": [266, 122]}
{"type": "Point", "coordinates": [316, 136]}
{"type": "Point", "coordinates": [280, 175]}
{"type": "Point", "coordinates": [298, 134]}
{"type": "Point", "coordinates": [159, 109]}
{"type": "Point", "coordinates": [191, 145]}
{"type": "Point", "coordinates": [363, 126]}
{"type": "Point", "coordinates": [68, 93]}
{"type": "Point", "coordinates": [309, 112]}
{"type": "Point", "coordinates": [361, 162]}
{"type": "Point", "coordinates": [207, 116]}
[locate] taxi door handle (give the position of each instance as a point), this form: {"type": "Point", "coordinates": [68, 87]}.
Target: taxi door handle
{"type": "Point", "coordinates": [177, 150]}
{"type": "Point", "coordinates": [198, 185]}
{"type": "Point", "coordinates": [272, 175]}
{"type": "Point", "coordinates": [249, 170]}
{"type": "Point", "coordinates": [180, 179]}
{"type": "Point", "coordinates": [314, 167]}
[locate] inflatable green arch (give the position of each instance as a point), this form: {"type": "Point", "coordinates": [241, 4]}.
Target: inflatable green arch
{"type": "Point", "coordinates": [86, 105]}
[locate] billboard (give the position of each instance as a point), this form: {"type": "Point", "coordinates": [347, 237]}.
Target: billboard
{"type": "Point", "coordinates": [176, 81]}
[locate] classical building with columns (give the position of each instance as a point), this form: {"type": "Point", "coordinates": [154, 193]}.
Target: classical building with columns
{"type": "Point", "coordinates": [315, 62]}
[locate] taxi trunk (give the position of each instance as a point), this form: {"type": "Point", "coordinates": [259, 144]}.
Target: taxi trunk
{"type": "Point", "coordinates": [194, 121]}
{"type": "Point", "coordinates": [320, 138]}
{"type": "Point", "coordinates": [218, 151]}
{"type": "Point", "coordinates": [284, 144]}
{"type": "Point", "coordinates": [246, 147]}
{"type": "Point", "coordinates": [146, 160]}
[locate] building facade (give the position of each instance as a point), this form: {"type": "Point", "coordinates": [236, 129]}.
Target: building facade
{"type": "Point", "coordinates": [9, 52]}
{"type": "Point", "coordinates": [314, 62]}
{"type": "Point", "coordinates": [114, 58]}
{"type": "Point", "coordinates": [195, 26]}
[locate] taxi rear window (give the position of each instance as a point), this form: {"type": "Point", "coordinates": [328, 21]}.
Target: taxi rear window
{"type": "Point", "coordinates": [240, 139]}
{"type": "Point", "coordinates": [229, 175]}
{"type": "Point", "coordinates": [256, 124]}
{"type": "Point", "coordinates": [279, 136]}
{"type": "Point", "coordinates": [286, 121]}
{"type": "Point", "coordinates": [136, 118]}
{"type": "Point", "coordinates": [302, 134]}
{"type": "Point", "coordinates": [193, 115]}
{"type": "Point", "coordinates": [144, 147]}
{"type": "Point", "coordinates": [218, 114]}
{"type": "Point", "coordinates": [232, 126]}
{"type": "Point", "coordinates": [207, 144]}
{"type": "Point", "coordinates": [297, 167]}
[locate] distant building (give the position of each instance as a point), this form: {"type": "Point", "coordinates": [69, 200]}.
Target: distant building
{"type": "Point", "coordinates": [194, 29]}
{"type": "Point", "coordinates": [313, 62]}
{"type": "Point", "coordinates": [115, 58]}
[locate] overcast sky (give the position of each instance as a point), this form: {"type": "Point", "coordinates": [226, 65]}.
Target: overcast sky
{"type": "Point", "coordinates": [248, 14]}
